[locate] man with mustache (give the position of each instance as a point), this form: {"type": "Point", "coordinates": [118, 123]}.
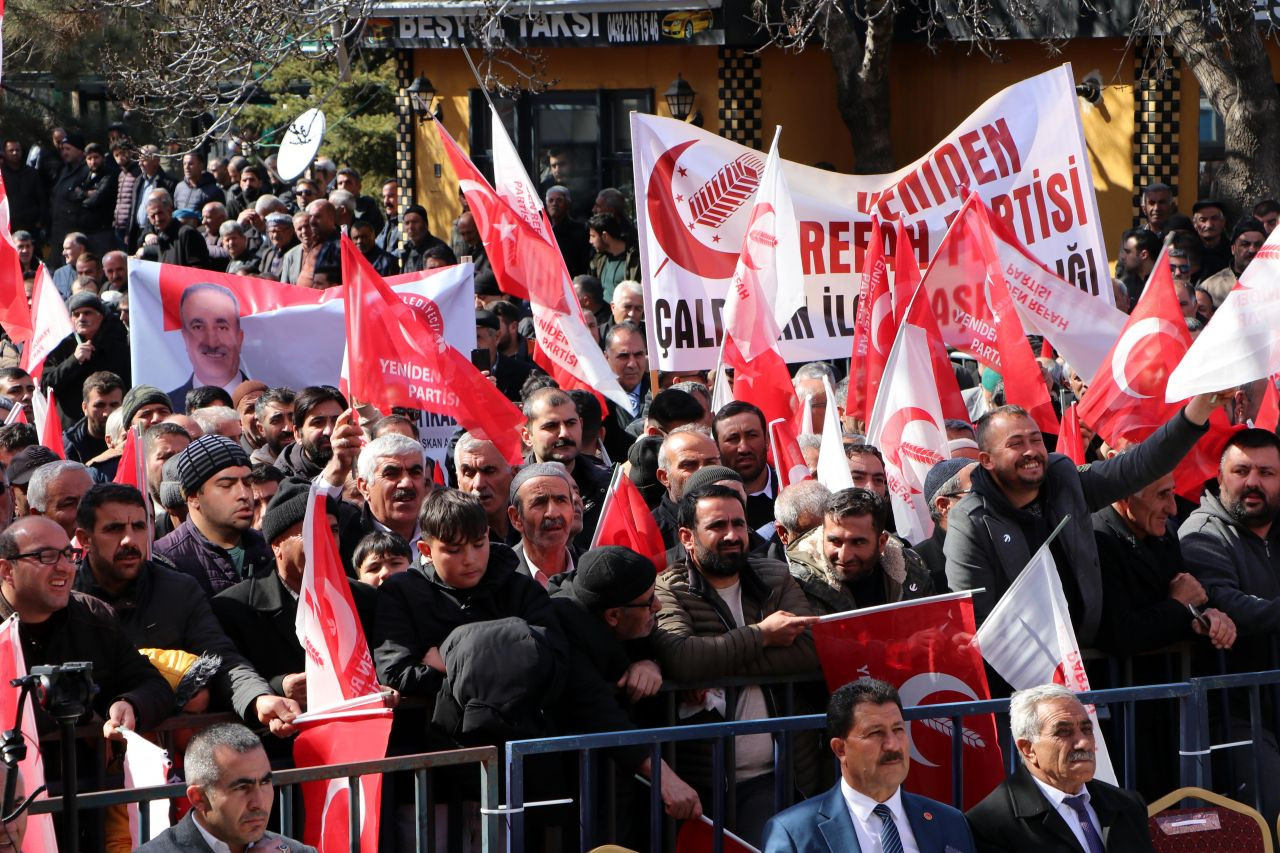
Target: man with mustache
{"type": "Point", "coordinates": [726, 614]}
{"type": "Point", "coordinates": [553, 433]}
{"type": "Point", "coordinates": [1227, 543]}
{"type": "Point", "coordinates": [1052, 803]}
{"type": "Point", "coordinates": [542, 511]}
{"type": "Point", "coordinates": [315, 417]}
{"type": "Point", "coordinates": [98, 341]}
{"type": "Point", "coordinates": [216, 545]}
{"type": "Point", "coordinates": [1020, 493]}
{"type": "Point", "coordinates": [159, 607]}
{"type": "Point", "coordinates": [483, 472]}
{"type": "Point", "coordinates": [229, 786]}
{"type": "Point", "coordinates": [868, 809]}
{"type": "Point", "coordinates": [211, 333]}
{"type": "Point", "coordinates": [390, 475]}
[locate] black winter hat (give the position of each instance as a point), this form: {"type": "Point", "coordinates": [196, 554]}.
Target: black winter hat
{"type": "Point", "coordinates": [289, 506]}
{"type": "Point", "coordinates": [611, 576]}
{"type": "Point", "coordinates": [205, 457]}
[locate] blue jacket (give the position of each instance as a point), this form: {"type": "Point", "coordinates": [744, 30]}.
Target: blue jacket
{"type": "Point", "coordinates": [822, 824]}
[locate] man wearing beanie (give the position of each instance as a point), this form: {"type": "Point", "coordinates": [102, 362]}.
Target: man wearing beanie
{"type": "Point", "coordinates": [1246, 239]}
{"type": "Point", "coordinates": [709, 475]}
{"type": "Point", "coordinates": [945, 484]}
{"type": "Point", "coordinates": [216, 545]}
{"type": "Point", "coordinates": [418, 239]}
{"type": "Point", "coordinates": [159, 607]}
{"type": "Point", "coordinates": [606, 608]}
{"type": "Point", "coordinates": [145, 406]}
{"type": "Point", "coordinates": [98, 341]}
{"type": "Point", "coordinates": [259, 613]}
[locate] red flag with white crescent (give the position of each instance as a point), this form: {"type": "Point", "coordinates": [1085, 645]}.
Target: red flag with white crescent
{"type": "Point", "coordinates": [906, 272]}
{"type": "Point", "coordinates": [922, 648]}
{"type": "Point", "coordinates": [40, 837]}
{"type": "Point", "coordinates": [625, 520]}
{"type": "Point", "coordinates": [872, 328]}
{"type": "Point", "coordinates": [788, 459]}
{"type": "Point", "coordinates": [348, 739]}
{"type": "Point", "coordinates": [51, 322]}
{"type": "Point", "coordinates": [1126, 397]}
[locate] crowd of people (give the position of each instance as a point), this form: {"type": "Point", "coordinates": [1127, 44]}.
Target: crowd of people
{"type": "Point", "coordinates": [474, 579]}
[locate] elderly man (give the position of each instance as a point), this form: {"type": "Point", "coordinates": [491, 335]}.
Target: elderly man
{"type": "Point", "coordinates": [482, 471]}
{"type": "Point", "coordinates": [686, 449]}
{"type": "Point", "coordinates": [160, 443]}
{"type": "Point", "coordinates": [280, 241]}
{"type": "Point", "coordinates": [541, 510]}
{"type": "Point", "coordinates": [1052, 803]}
{"type": "Point", "coordinates": [55, 490]}
{"type": "Point", "coordinates": [418, 239]}
{"type": "Point", "coordinates": [150, 177]}
{"type": "Point", "coordinates": [628, 356]}
{"type": "Point", "coordinates": [851, 560]}
{"type": "Point", "coordinates": [211, 333]}
{"type": "Point", "coordinates": [158, 607]}
{"type": "Point", "coordinates": [810, 389]}
{"type": "Point", "coordinates": [1021, 492]}
{"type": "Point", "coordinates": [230, 790]}
{"type": "Point", "coordinates": [868, 809]}
{"type": "Point", "coordinates": [945, 484]}
{"type": "Point", "coordinates": [115, 271]}
{"type": "Point", "coordinates": [170, 241]}
{"type": "Point", "coordinates": [390, 476]}
{"type": "Point", "coordinates": [553, 433]}
{"type": "Point", "coordinates": [216, 544]}
{"type": "Point", "coordinates": [625, 306]}
{"type": "Point", "coordinates": [98, 341]}
{"type": "Point", "coordinates": [469, 245]}
{"type": "Point", "coordinates": [797, 511]}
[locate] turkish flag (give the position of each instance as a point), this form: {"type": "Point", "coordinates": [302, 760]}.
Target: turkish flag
{"type": "Point", "coordinates": [1201, 462]}
{"type": "Point", "coordinates": [920, 314]}
{"type": "Point", "coordinates": [1269, 410]}
{"type": "Point", "coordinates": [1023, 380]}
{"type": "Point", "coordinates": [923, 649]}
{"type": "Point", "coordinates": [1126, 397]}
{"type": "Point", "coordinates": [872, 328]}
{"type": "Point", "coordinates": [51, 320]}
{"type": "Point", "coordinates": [764, 381]}
{"type": "Point", "coordinates": [396, 358]}
{"type": "Point", "coordinates": [788, 460]}
{"type": "Point", "coordinates": [625, 520]}
{"type": "Point", "coordinates": [906, 272]}
{"type": "Point", "coordinates": [48, 425]}
{"type": "Point", "coordinates": [358, 737]}
{"type": "Point", "coordinates": [40, 837]}
{"type": "Point", "coordinates": [132, 471]}
{"type": "Point", "coordinates": [1070, 442]}
{"type": "Point", "coordinates": [15, 314]}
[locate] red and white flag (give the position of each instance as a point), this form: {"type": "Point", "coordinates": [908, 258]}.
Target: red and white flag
{"type": "Point", "coordinates": [15, 313]}
{"type": "Point", "coordinates": [906, 272]}
{"type": "Point", "coordinates": [51, 320]}
{"type": "Point", "coordinates": [132, 471]}
{"type": "Point", "coordinates": [922, 648]}
{"type": "Point", "coordinates": [788, 459]}
{"type": "Point", "coordinates": [40, 836]}
{"type": "Point", "coordinates": [907, 426]}
{"type": "Point", "coordinates": [920, 315]}
{"type": "Point", "coordinates": [146, 765]}
{"type": "Point", "coordinates": [1202, 461]}
{"type": "Point", "coordinates": [833, 465]}
{"type": "Point", "coordinates": [527, 263]}
{"type": "Point", "coordinates": [873, 329]}
{"type": "Point", "coordinates": [17, 414]}
{"type": "Point", "coordinates": [1126, 397]}
{"type": "Point", "coordinates": [48, 425]}
{"type": "Point", "coordinates": [396, 358]}
{"type": "Point", "coordinates": [1070, 441]}
{"type": "Point", "coordinates": [346, 718]}
{"type": "Point", "coordinates": [625, 520]}
{"type": "Point", "coordinates": [1028, 639]}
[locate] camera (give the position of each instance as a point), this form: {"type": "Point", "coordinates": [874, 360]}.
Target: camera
{"type": "Point", "coordinates": [64, 690]}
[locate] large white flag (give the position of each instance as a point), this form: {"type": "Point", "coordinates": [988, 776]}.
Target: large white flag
{"type": "Point", "coordinates": [1029, 640]}
{"type": "Point", "coordinates": [51, 320]}
{"type": "Point", "coordinates": [1241, 344]}
{"type": "Point", "coordinates": [40, 836]}
{"type": "Point", "coordinates": [907, 425]}
{"type": "Point", "coordinates": [833, 466]}
{"type": "Point", "coordinates": [145, 766]}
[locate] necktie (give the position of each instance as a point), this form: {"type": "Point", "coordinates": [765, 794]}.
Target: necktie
{"type": "Point", "coordinates": [890, 842]}
{"type": "Point", "coordinates": [1092, 841]}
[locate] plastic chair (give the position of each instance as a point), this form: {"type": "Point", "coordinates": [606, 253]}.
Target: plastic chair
{"type": "Point", "coordinates": [1223, 824]}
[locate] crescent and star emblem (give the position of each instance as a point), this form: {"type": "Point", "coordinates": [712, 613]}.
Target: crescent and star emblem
{"type": "Point", "coordinates": [1131, 340]}
{"type": "Point", "coordinates": [671, 232]}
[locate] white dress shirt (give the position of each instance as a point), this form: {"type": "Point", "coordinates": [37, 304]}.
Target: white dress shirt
{"type": "Point", "coordinates": [1057, 799]}
{"type": "Point", "coordinates": [215, 844]}
{"type": "Point", "coordinates": [867, 825]}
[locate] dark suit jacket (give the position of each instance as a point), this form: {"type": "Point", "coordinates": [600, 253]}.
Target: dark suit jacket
{"type": "Point", "coordinates": [1016, 817]}
{"type": "Point", "coordinates": [822, 824]}
{"type": "Point", "coordinates": [186, 838]}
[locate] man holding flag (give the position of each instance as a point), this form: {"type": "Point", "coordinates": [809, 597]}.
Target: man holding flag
{"type": "Point", "coordinates": [1021, 492]}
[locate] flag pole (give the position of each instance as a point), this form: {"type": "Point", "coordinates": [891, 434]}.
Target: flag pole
{"type": "Point", "coordinates": [897, 605]}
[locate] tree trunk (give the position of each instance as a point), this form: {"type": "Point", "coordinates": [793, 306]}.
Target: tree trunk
{"type": "Point", "coordinates": [1234, 73]}
{"type": "Point", "coordinates": [861, 64]}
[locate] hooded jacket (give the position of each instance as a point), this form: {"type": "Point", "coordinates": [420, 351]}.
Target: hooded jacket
{"type": "Point", "coordinates": [295, 463]}
{"type": "Point", "coordinates": [900, 568]}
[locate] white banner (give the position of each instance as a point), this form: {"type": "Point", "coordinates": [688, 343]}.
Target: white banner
{"type": "Point", "coordinates": [1022, 151]}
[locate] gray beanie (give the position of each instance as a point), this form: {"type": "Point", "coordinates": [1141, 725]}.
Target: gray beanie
{"type": "Point", "coordinates": [538, 469]}
{"type": "Point", "coordinates": [206, 456]}
{"type": "Point", "coordinates": [139, 396]}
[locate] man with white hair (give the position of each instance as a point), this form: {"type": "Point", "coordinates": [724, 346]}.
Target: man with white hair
{"type": "Point", "coordinates": [169, 241]}
{"type": "Point", "coordinates": [626, 306]}
{"type": "Point", "coordinates": [482, 471]}
{"type": "Point", "coordinates": [55, 491]}
{"type": "Point", "coordinates": [1052, 803]}
{"type": "Point", "coordinates": [809, 386]}
{"type": "Point", "coordinates": [391, 475]}
{"type": "Point", "coordinates": [571, 234]}
{"type": "Point", "coordinates": [219, 420]}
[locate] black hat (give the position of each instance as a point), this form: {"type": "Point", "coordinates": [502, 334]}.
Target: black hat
{"type": "Point", "coordinates": [287, 507]}
{"type": "Point", "coordinates": [488, 319]}
{"type": "Point", "coordinates": [611, 576]}
{"type": "Point", "coordinates": [940, 473]}
{"type": "Point", "coordinates": [206, 456]}
{"type": "Point", "coordinates": [75, 139]}
{"type": "Point", "coordinates": [415, 208]}
{"type": "Point", "coordinates": [139, 396]}
{"type": "Point", "coordinates": [1245, 225]}
{"type": "Point", "coordinates": [26, 461]}
{"type": "Point", "coordinates": [643, 457]}
{"type": "Point", "coordinates": [710, 474]}
{"type": "Point", "coordinates": [85, 299]}
{"type": "Point", "coordinates": [486, 284]}
{"type": "Point", "coordinates": [1206, 202]}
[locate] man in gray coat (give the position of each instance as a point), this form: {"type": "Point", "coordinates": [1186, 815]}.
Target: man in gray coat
{"type": "Point", "coordinates": [1021, 492]}
{"type": "Point", "coordinates": [229, 786]}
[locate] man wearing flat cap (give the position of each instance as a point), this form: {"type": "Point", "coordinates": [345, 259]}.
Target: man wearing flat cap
{"type": "Point", "coordinates": [216, 545]}
{"type": "Point", "coordinates": [281, 237]}
{"type": "Point", "coordinates": [98, 341]}
{"type": "Point", "coordinates": [606, 607]}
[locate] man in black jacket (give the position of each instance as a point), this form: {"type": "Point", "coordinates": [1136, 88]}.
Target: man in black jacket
{"type": "Point", "coordinates": [315, 417]}
{"type": "Point", "coordinates": [169, 241]}
{"type": "Point", "coordinates": [946, 482]}
{"type": "Point", "coordinates": [418, 239]}
{"type": "Point", "coordinates": [87, 437]}
{"type": "Point", "coordinates": [685, 450]}
{"type": "Point", "coordinates": [26, 191]}
{"type": "Point", "coordinates": [158, 606]}
{"type": "Point", "coordinates": [66, 211]}
{"type": "Point", "coordinates": [98, 341]}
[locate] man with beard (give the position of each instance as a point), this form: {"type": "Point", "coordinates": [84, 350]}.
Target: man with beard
{"type": "Point", "coordinates": [482, 471]}
{"type": "Point", "coordinates": [160, 443]}
{"type": "Point", "coordinates": [542, 509]}
{"type": "Point", "coordinates": [1052, 802]}
{"type": "Point", "coordinates": [315, 414]}
{"type": "Point", "coordinates": [216, 544]}
{"type": "Point", "coordinates": [1226, 543]}
{"type": "Point", "coordinates": [86, 438]}
{"type": "Point", "coordinates": [553, 432]}
{"type": "Point", "coordinates": [211, 334]}
{"type": "Point", "coordinates": [1246, 239]}
{"type": "Point", "coordinates": [253, 181]}
{"type": "Point", "coordinates": [1021, 492]}
{"type": "Point", "coordinates": [739, 430]}
{"type": "Point", "coordinates": [724, 615]}
{"type": "Point", "coordinates": [851, 561]}
{"type": "Point", "coordinates": [159, 607]}
{"type": "Point", "coordinates": [274, 411]}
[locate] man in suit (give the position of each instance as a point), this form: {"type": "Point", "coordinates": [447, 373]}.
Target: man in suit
{"type": "Point", "coordinates": [211, 334]}
{"type": "Point", "coordinates": [230, 789]}
{"type": "Point", "coordinates": [1052, 803]}
{"type": "Point", "coordinates": [868, 810]}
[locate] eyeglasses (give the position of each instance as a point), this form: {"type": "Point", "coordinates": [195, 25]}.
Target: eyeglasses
{"type": "Point", "coordinates": [957, 494]}
{"type": "Point", "coordinates": [647, 605]}
{"type": "Point", "coordinates": [48, 556]}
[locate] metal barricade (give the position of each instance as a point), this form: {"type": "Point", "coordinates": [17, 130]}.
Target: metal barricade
{"type": "Point", "coordinates": [286, 781]}
{"type": "Point", "coordinates": [1197, 754]}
